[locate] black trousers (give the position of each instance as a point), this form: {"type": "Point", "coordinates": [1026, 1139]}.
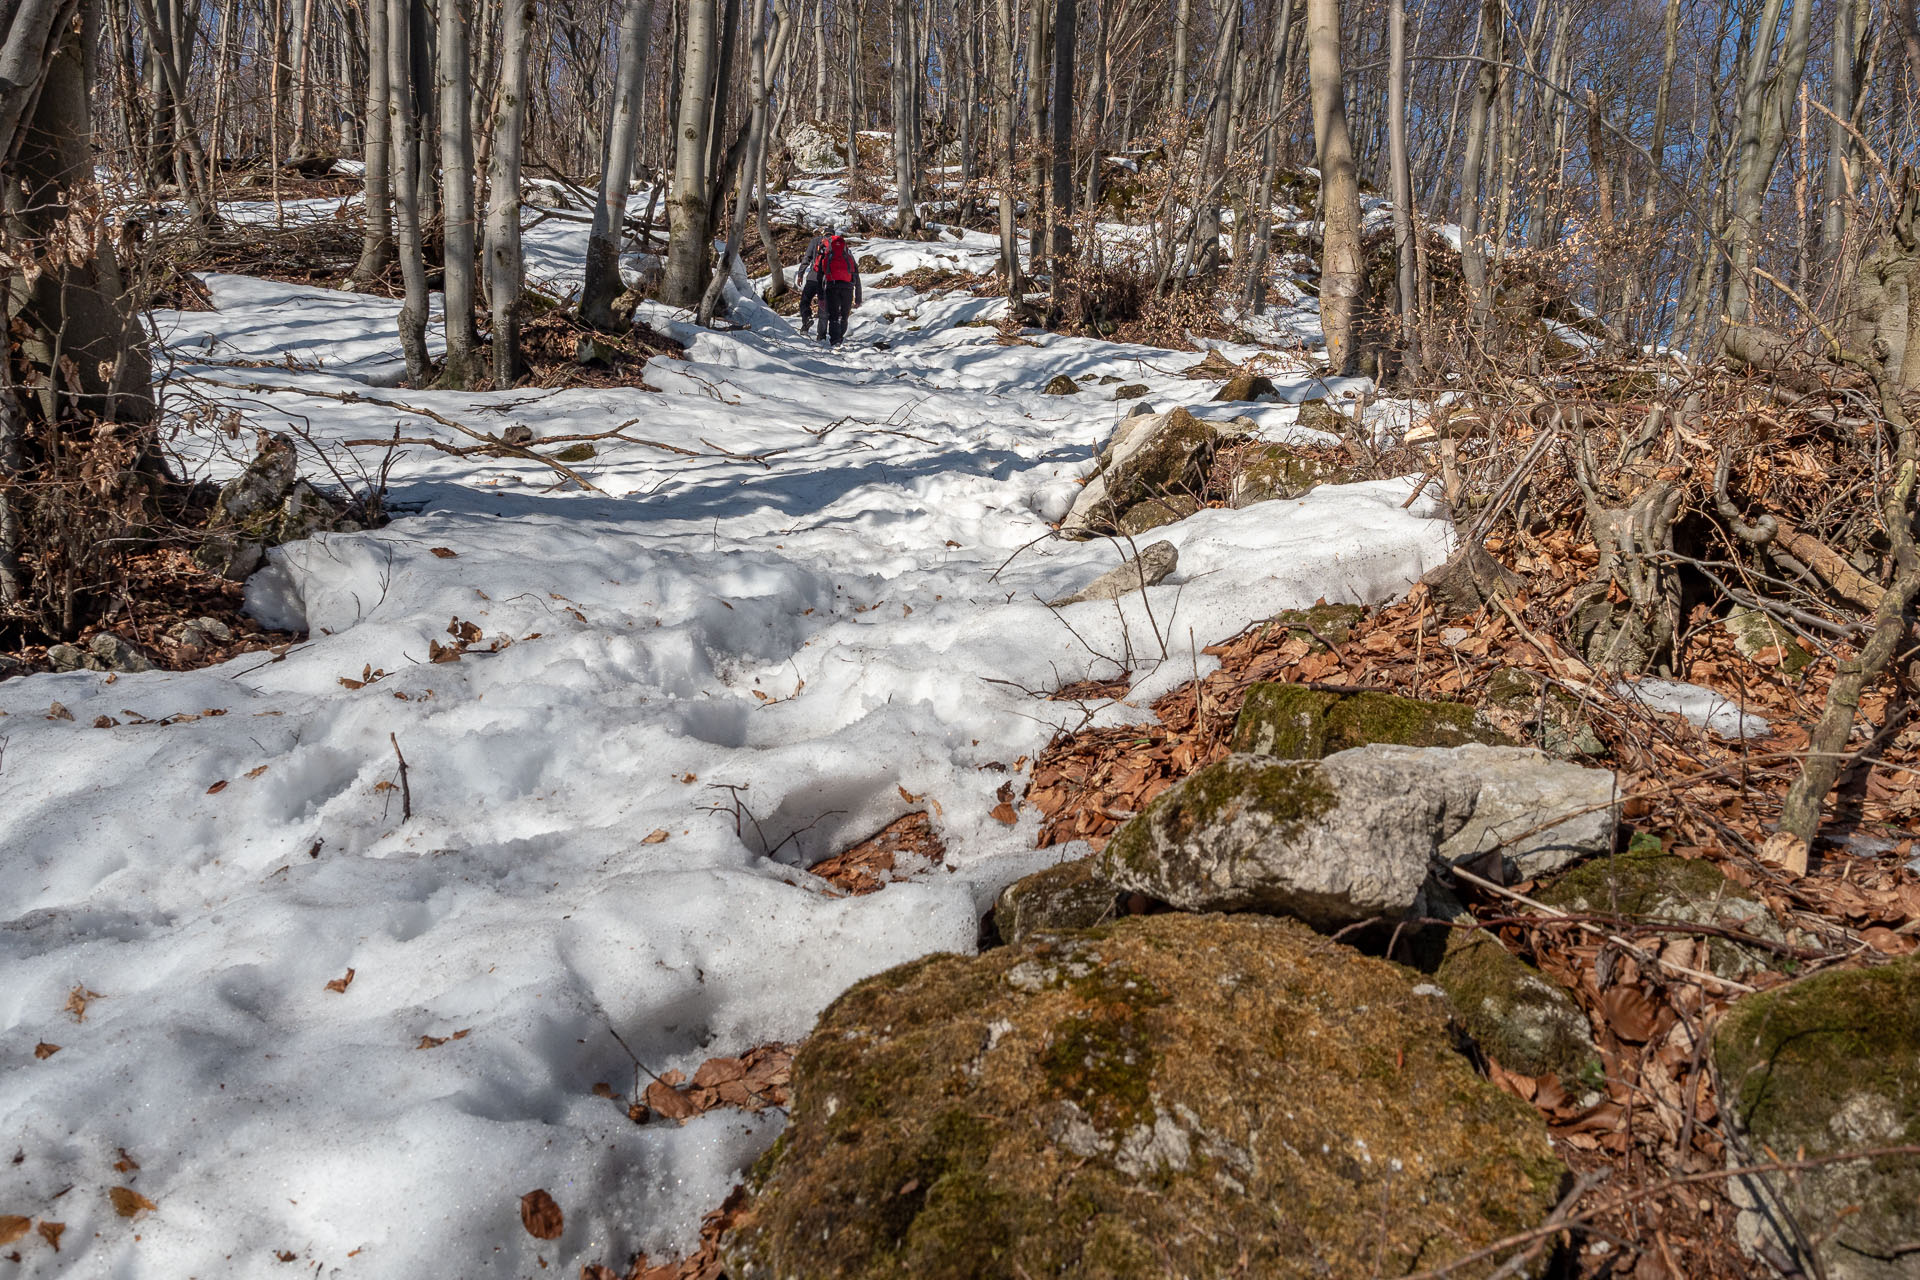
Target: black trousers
{"type": "Point", "coordinates": [837, 301]}
{"type": "Point", "coordinates": [808, 292]}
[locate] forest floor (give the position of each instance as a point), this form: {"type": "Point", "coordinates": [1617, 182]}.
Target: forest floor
{"type": "Point", "coordinates": [513, 843]}
{"type": "Point", "coordinates": [335, 950]}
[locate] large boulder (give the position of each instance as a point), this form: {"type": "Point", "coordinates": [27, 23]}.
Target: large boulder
{"type": "Point", "coordinates": [1247, 385]}
{"type": "Point", "coordinates": [1825, 1066]}
{"type": "Point", "coordinates": [1160, 455]}
{"type": "Point", "coordinates": [265, 505]}
{"type": "Point", "coordinates": [1170, 1095]}
{"type": "Point", "coordinates": [814, 146]}
{"type": "Point", "coordinates": [1351, 837]}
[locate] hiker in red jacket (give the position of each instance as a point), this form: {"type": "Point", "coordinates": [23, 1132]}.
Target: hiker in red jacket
{"type": "Point", "coordinates": [840, 290]}
{"type": "Point", "coordinates": [810, 287]}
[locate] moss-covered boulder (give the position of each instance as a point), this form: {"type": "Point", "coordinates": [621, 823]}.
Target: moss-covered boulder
{"type": "Point", "coordinates": [1643, 883]}
{"type": "Point", "coordinates": [1319, 625]}
{"type": "Point", "coordinates": [1518, 1016]}
{"type": "Point", "coordinates": [1824, 1066]}
{"type": "Point", "coordinates": [1130, 391]}
{"type": "Point", "coordinates": [1247, 385]}
{"type": "Point", "coordinates": [1298, 723]}
{"type": "Point", "coordinates": [1171, 1095]}
{"type": "Point", "coordinates": [1162, 456]}
{"type": "Point", "coordinates": [1062, 385]}
{"type": "Point", "coordinates": [1154, 512]}
{"type": "Point", "coordinates": [1070, 895]}
{"type": "Point", "coordinates": [1551, 716]}
{"type": "Point", "coordinates": [1755, 633]}
{"type": "Point", "coordinates": [1279, 471]}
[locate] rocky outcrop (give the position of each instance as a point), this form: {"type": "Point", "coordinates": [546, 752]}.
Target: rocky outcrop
{"type": "Point", "coordinates": [814, 146]}
{"type": "Point", "coordinates": [1825, 1066]}
{"type": "Point", "coordinates": [1163, 455]}
{"type": "Point", "coordinates": [1067, 896]}
{"type": "Point", "coordinates": [103, 652]}
{"type": "Point", "coordinates": [1170, 1095]}
{"type": "Point", "coordinates": [1155, 513]}
{"type": "Point", "coordinates": [265, 505]}
{"type": "Point", "coordinates": [1352, 837]}
{"type": "Point", "coordinates": [1135, 573]}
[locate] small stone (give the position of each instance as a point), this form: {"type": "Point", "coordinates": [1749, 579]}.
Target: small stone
{"type": "Point", "coordinates": [66, 657]}
{"type": "Point", "coordinates": [1141, 410]}
{"type": "Point", "coordinates": [1067, 896]}
{"type": "Point", "coordinates": [118, 654]}
{"type": "Point", "coordinates": [1131, 391]}
{"type": "Point", "coordinates": [1246, 385]}
{"type": "Point", "coordinates": [1318, 415]}
{"type": "Point", "coordinates": [1150, 568]}
{"type": "Point", "coordinates": [1062, 385]}
{"type": "Point", "coordinates": [1280, 471]}
{"type": "Point", "coordinates": [518, 433]}
{"type": "Point", "coordinates": [578, 452]}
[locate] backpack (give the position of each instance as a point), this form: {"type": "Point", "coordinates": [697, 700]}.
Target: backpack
{"type": "Point", "coordinates": [834, 264]}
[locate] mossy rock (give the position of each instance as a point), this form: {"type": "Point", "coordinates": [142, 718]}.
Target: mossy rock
{"type": "Point", "coordinates": [1297, 723]}
{"type": "Point", "coordinates": [1555, 719]}
{"type": "Point", "coordinates": [1162, 456]}
{"type": "Point", "coordinates": [1279, 471]}
{"type": "Point", "coordinates": [1131, 391]}
{"type": "Point", "coordinates": [1754, 632]}
{"type": "Point", "coordinates": [1246, 385]}
{"type": "Point", "coordinates": [1212, 365]}
{"type": "Point", "coordinates": [1173, 1094]}
{"type": "Point", "coordinates": [1643, 883]}
{"type": "Point", "coordinates": [1320, 624]}
{"type": "Point", "coordinates": [1062, 385]}
{"type": "Point", "coordinates": [1318, 415]}
{"type": "Point", "coordinates": [580, 452]}
{"type": "Point", "coordinates": [1823, 1066]}
{"type": "Point", "coordinates": [1154, 512]}
{"type": "Point", "coordinates": [1068, 896]}
{"type": "Point", "coordinates": [1518, 1016]}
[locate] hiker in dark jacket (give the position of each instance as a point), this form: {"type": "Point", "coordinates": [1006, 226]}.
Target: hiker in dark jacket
{"type": "Point", "coordinates": [810, 287]}
{"type": "Point", "coordinates": [840, 290]}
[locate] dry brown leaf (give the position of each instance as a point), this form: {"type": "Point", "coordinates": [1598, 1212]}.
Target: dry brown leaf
{"type": "Point", "coordinates": [77, 1002]}
{"type": "Point", "coordinates": [51, 1232]}
{"type": "Point", "coordinates": [126, 1163]}
{"type": "Point", "coordinates": [657, 836]}
{"type": "Point", "coordinates": [1629, 1013]}
{"type": "Point", "coordinates": [256, 772]}
{"type": "Point", "coordinates": [43, 1050]}
{"type": "Point", "coordinates": [129, 1203]}
{"type": "Point", "coordinates": [445, 553]}
{"type": "Point", "coordinates": [217, 787]}
{"type": "Point", "coordinates": [601, 1089]}
{"type": "Point", "coordinates": [668, 1101]}
{"type": "Point", "coordinates": [431, 1042]}
{"type": "Point", "coordinates": [12, 1227]}
{"type": "Point", "coordinates": [541, 1216]}
{"type": "Point", "coordinates": [1004, 812]}
{"type": "Point", "coordinates": [340, 984]}
{"type": "Point", "coordinates": [58, 712]}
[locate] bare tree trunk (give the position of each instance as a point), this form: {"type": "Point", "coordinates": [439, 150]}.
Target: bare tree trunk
{"type": "Point", "coordinates": [1767, 91]}
{"type": "Point", "coordinates": [1038, 52]}
{"type": "Point", "coordinates": [1004, 143]}
{"type": "Point", "coordinates": [1837, 190]}
{"type": "Point", "coordinates": [1401, 184]}
{"type": "Point", "coordinates": [506, 275]}
{"type": "Point", "coordinates": [1177, 73]}
{"type": "Point", "coordinates": [404, 134]}
{"type": "Point", "coordinates": [905, 76]}
{"type": "Point", "coordinates": [686, 274]}
{"type": "Point", "coordinates": [1065, 13]}
{"type": "Point", "coordinates": [750, 169]}
{"type": "Point", "coordinates": [376, 246]}
{"type": "Point", "coordinates": [602, 283]}
{"type": "Point", "coordinates": [1473, 254]}
{"type": "Point", "coordinates": [456, 177]}
{"type": "Point", "coordinates": [1340, 265]}
{"type": "Point", "coordinates": [302, 82]}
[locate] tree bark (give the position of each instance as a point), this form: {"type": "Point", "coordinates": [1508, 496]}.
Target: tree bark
{"type": "Point", "coordinates": [1473, 256]}
{"type": "Point", "coordinates": [1004, 145]}
{"type": "Point", "coordinates": [1064, 16]}
{"type": "Point", "coordinates": [602, 283]}
{"type": "Point", "coordinates": [686, 274]}
{"type": "Point", "coordinates": [1401, 185]}
{"type": "Point", "coordinates": [506, 275]}
{"type": "Point", "coordinates": [456, 176]}
{"type": "Point", "coordinates": [905, 77]}
{"type": "Point", "coordinates": [376, 245]}
{"type": "Point", "coordinates": [404, 135]}
{"type": "Point", "coordinates": [1340, 264]}
{"type": "Point", "coordinates": [1767, 89]}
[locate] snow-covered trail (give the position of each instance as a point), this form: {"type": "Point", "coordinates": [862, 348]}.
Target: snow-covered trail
{"type": "Point", "coordinates": [819, 614]}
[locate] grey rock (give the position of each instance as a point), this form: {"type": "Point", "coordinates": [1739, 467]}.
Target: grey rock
{"type": "Point", "coordinates": [116, 653]}
{"type": "Point", "coordinates": [66, 657]}
{"type": "Point", "coordinates": [518, 433]}
{"type": "Point", "coordinates": [1131, 391]}
{"type": "Point", "coordinates": [1066, 896]}
{"type": "Point", "coordinates": [12, 667]}
{"type": "Point", "coordinates": [200, 633]}
{"type": "Point", "coordinates": [1153, 513]}
{"type": "Point", "coordinates": [1141, 410]}
{"type": "Point", "coordinates": [1352, 837]}
{"type": "Point", "coordinates": [231, 556]}
{"type": "Point", "coordinates": [1062, 385]}
{"type": "Point", "coordinates": [1279, 471]}
{"type": "Point", "coordinates": [1154, 456]}
{"type": "Point", "coordinates": [262, 486]}
{"type": "Point", "coordinates": [1136, 573]}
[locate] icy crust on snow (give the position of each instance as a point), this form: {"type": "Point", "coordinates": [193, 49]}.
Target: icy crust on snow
{"type": "Point", "coordinates": [755, 651]}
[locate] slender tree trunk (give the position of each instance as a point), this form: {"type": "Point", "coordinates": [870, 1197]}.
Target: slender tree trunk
{"type": "Point", "coordinates": [1065, 13]}
{"type": "Point", "coordinates": [1004, 144]}
{"type": "Point", "coordinates": [1473, 254]}
{"type": "Point", "coordinates": [456, 176]}
{"type": "Point", "coordinates": [404, 133]}
{"type": "Point", "coordinates": [602, 283]}
{"type": "Point", "coordinates": [506, 275]}
{"type": "Point", "coordinates": [1177, 72]}
{"type": "Point", "coordinates": [376, 245]}
{"type": "Point", "coordinates": [1340, 265]}
{"type": "Point", "coordinates": [1837, 189]}
{"type": "Point", "coordinates": [1767, 91]}
{"type": "Point", "coordinates": [686, 274]}
{"type": "Point", "coordinates": [905, 75]}
{"type": "Point", "coordinates": [1401, 185]}
{"type": "Point", "coordinates": [1039, 49]}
